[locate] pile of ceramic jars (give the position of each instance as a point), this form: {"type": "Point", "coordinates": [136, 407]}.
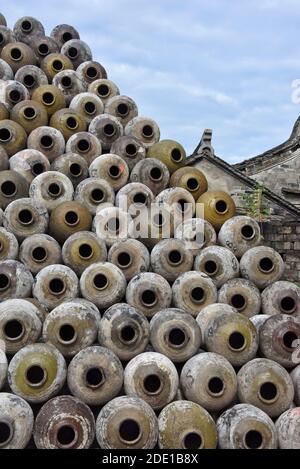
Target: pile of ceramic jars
{"type": "Point", "coordinates": [137, 309]}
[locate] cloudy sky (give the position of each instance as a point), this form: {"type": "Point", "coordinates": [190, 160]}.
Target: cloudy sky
{"type": "Point", "coordinates": [221, 64]}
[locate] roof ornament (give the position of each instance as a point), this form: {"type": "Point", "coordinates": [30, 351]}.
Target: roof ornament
{"type": "Point", "coordinates": [204, 147]}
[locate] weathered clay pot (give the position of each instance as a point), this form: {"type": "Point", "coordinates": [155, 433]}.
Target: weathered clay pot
{"type": "Point", "coordinates": [191, 179]}
{"type": "Point", "coordinates": [103, 283]}
{"type": "Point", "coordinates": [246, 427]}
{"type": "Point", "coordinates": [266, 385]}
{"type": "Point", "coordinates": [152, 377]}
{"type": "Point", "coordinates": [175, 334]}
{"type": "Point", "coordinates": [37, 372]}
{"type": "Point", "coordinates": [197, 429]}
{"type": "Point", "coordinates": [124, 330]}
{"type": "Point", "coordinates": [148, 292]}
{"type": "Point", "coordinates": [126, 423]}
{"type": "Point", "coordinates": [64, 422]}
{"type": "Point", "coordinates": [68, 218]}
{"type": "Point", "coordinates": [209, 380]}
{"type": "Point", "coordinates": [17, 420]}
{"type": "Point", "coordinates": [95, 375]}
{"type": "Point", "coordinates": [12, 136]}
{"type": "Point", "coordinates": [171, 153]}
{"type": "Point", "coordinates": [218, 207]}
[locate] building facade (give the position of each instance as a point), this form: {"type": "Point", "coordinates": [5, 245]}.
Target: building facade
{"type": "Point", "coordinates": [278, 171]}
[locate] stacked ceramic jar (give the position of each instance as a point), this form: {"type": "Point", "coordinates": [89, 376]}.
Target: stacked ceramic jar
{"type": "Point", "coordinates": [137, 309]}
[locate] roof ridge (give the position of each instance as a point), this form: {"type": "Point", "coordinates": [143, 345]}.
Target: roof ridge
{"type": "Point", "coordinates": [292, 143]}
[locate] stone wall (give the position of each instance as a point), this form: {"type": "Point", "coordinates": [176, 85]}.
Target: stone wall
{"type": "Point", "coordinates": [284, 236]}
{"type": "Point", "coordinates": [282, 233]}
{"type": "Point", "coordinates": [283, 175]}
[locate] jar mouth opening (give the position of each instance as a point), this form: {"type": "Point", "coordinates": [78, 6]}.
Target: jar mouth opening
{"type": "Point", "coordinates": [147, 131]}
{"type": "Point", "coordinates": [54, 189]}
{"type": "Point", "coordinates": [113, 225]}
{"type": "Point", "coordinates": [57, 286]}
{"type": "Point", "coordinates": [289, 339]}
{"type": "Point", "coordinates": [158, 220]}
{"type": "Point", "coordinates": [175, 257]}
{"type": "Point", "coordinates": [221, 207]}
{"type": "Point", "coordinates": [91, 72]}
{"type": "Point", "coordinates": [197, 295]}
{"type": "Point", "coordinates": [131, 150]}
{"type": "Point", "coordinates": [122, 110]}
{"type": "Point", "coordinates": [5, 135]}
{"type": "Point", "coordinates": [97, 195]}
{"type": "Point", "coordinates": [67, 36]}
{"type": "Point", "coordinates": [47, 142]}
{"type": "Point", "coordinates": [140, 198]}
{"type": "Point", "coordinates": [152, 384]}
{"type": "Point", "coordinates": [85, 251]}
{"type": "Point", "coordinates": [156, 174]}
{"type": "Point", "coordinates": [72, 123]}
{"type": "Point", "coordinates": [192, 440]}
{"type": "Point", "coordinates": [149, 298]}
{"type": "Point", "coordinates": [8, 188]}
{"type": "Point", "coordinates": [128, 334]}
{"type": "Point", "coordinates": [95, 377]}
{"type": "Point", "coordinates": [72, 218]}
{"type": "Point", "coordinates": [25, 217]}
{"type": "Point", "coordinates": [36, 376]}
{"type": "Point", "coordinates": [103, 90]}
{"type": "Point", "coordinates": [247, 232]}
{"type": "Point", "coordinates": [177, 337]}
{"type": "Point", "coordinates": [176, 155]}
{"type": "Point", "coordinates": [57, 65]}
{"type": "Point", "coordinates": [114, 171]}
{"type": "Point", "coordinates": [216, 386]}
{"type": "Point", "coordinates": [83, 145]}
{"type": "Point", "coordinates": [6, 432]}
{"type": "Point", "coordinates": [183, 205]}
{"type": "Point", "coordinates": [39, 254]}
{"type": "Point", "coordinates": [26, 26]}
{"type": "Point", "coordinates": [4, 282]}
{"type": "Point", "coordinates": [13, 330]}
{"type": "Point", "coordinates": [48, 98]}
{"type": "Point", "coordinates": [130, 431]}
{"type": "Point", "coordinates": [37, 168]}
{"type": "Point", "coordinates": [29, 113]}
{"type": "Point", "coordinates": [266, 265]}
{"type": "Point", "coordinates": [90, 107]}
{"type": "Point", "coordinates": [66, 81]}
{"type": "Point", "coordinates": [75, 169]}
{"type": "Point", "coordinates": [211, 267]}
{"type": "Point", "coordinates": [43, 49]}
{"type": "Point", "coordinates": [124, 259]}
{"type": "Point", "coordinates": [192, 184]}
{"type": "Point", "coordinates": [237, 341]}
{"type": "Point", "coordinates": [15, 96]}
{"type": "Point", "coordinates": [72, 52]}
{"type": "Point", "coordinates": [66, 436]}
{"type": "Point", "coordinates": [288, 304]}
{"type": "Point", "coordinates": [253, 439]}
{"type": "Point", "coordinates": [268, 392]}
{"type": "Point", "coordinates": [109, 130]}
{"type": "Point", "coordinates": [238, 301]}
{"type": "Point", "coordinates": [100, 281]}
{"type": "Point", "coordinates": [16, 54]}
{"type": "Point", "coordinates": [29, 81]}
{"type": "Point", "coordinates": [67, 334]}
